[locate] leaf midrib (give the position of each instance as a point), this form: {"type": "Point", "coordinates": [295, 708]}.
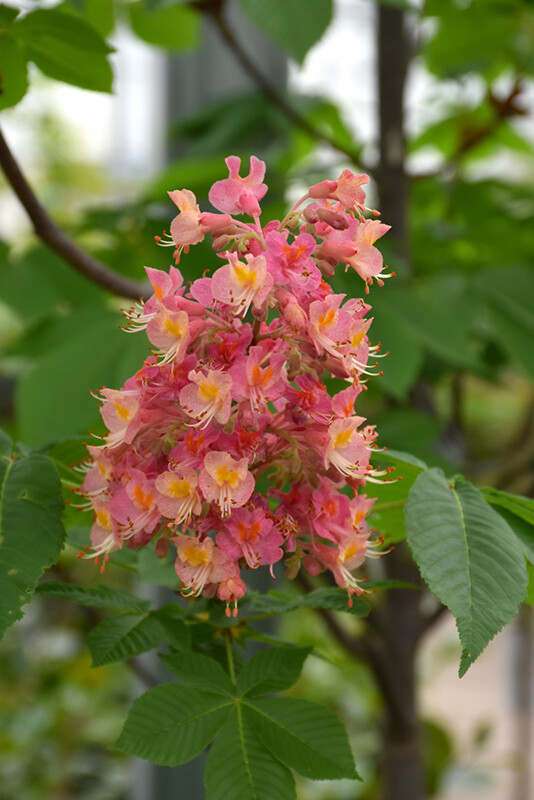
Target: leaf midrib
{"type": "Point", "coordinates": [181, 722]}
{"type": "Point", "coordinates": [287, 731]}
{"type": "Point", "coordinates": [468, 560]}
{"type": "Point", "coordinates": [240, 727]}
{"type": "Point", "coordinates": [2, 494]}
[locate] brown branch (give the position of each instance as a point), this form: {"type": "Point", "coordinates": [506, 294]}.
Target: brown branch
{"type": "Point", "coordinates": [214, 9]}
{"type": "Point", "coordinates": [471, 134]}
{"type": "Point", "coordinates": [49, 233]}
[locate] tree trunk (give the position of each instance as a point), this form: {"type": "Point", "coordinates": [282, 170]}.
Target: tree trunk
{"type": "Point", "coordinates": [393, 52]}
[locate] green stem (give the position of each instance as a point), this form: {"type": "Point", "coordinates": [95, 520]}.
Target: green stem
{"type": "Point", "coordinates": [69, 484]}
{"type": "Point", "coordinates": [229, 656]}
{"type": "Point", "coordinates": [388, 506]}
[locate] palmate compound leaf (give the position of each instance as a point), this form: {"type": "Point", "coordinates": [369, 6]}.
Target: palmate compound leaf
{"type": "Point", "coordinates": [239, 766]}
{"type": "Point", "coordinates": [302, 735]}
{"type": "Point", "coordinates": [172, 724]}
{"type": "Point", "coordinates": [257, 740]}
{"type": "Point", "coordinates": [31, 533]}
{"type": "Point", "coordinates": [469, 557]}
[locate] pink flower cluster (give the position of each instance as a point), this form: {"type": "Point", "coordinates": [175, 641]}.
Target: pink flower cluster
{"type": "Point", "coordinates": [226, 442]}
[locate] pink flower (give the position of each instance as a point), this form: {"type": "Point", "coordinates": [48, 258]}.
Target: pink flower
{"type": "Point", "coordinates": [170, 332]}
{"type": "Point", "coordinates": [261, 376]}
{"type": "Point", "coordinates": [119, 412]}
{"type": "Point", "coordinates": [348, 190]}
{"type": "Point", "coordinates": [227, 408]}
{"type": "Point", "coordinates": [201, 563]}
{"type": "Point", "coordinates": [226, 481]}
{"type": "Point", "coordinates": [251, 535]}
{"type": "Point", "coordinates": [207, 397]}
{"type": "Point", "coordinates": [241, 284]}
{"type": "Point", "coordinates": [329, 325]}
{"type": "Point", "coordinates": [179, 498]}
{"type": "Point", "coordinates": [291, 264]}
{"type": "Point", "coordinates": [346, 449]}
{"type": "Point", "coordinates": [236, 195]}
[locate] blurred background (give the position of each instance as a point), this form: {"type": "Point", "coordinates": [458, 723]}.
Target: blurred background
{"type": "Point", "coordinates": [435, 101]}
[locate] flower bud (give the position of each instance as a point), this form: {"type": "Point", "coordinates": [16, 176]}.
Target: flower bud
{"type": "Point", "coordinates": [323, 189]}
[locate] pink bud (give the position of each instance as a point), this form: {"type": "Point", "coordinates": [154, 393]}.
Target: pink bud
{"type": "Point", "coordinates": [215, 222]}
{"type": "Point", "coordinates": [323, 189]}
{"type": "Point", "coordinates": [336, 219]}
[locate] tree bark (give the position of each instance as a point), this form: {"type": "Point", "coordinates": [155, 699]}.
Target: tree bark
{"type": "Point", "coordinates": [393, 53]}
{"type": "Point", "coordinates": [403, 624]}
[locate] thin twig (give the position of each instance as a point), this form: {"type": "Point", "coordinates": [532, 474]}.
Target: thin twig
{"type": "Point", "coordinates": [215, 11]}
{"type": "Point", "coordinates": [49, 233]}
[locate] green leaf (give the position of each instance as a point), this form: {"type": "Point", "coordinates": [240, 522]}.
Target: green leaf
{"type": "Point", "coordinates": [303, 736]}
{"type": "Point", "coordinates": [295, 25]}
{"type": "Point", "coordinates": [8, 15]}
{"type": "Point", "coordinates": [428, 323]}
{"type": "Point", "coordinates": [13, 72]}
{"type": "Point", "coordinates": [199, 670]}
{"type": "Point", "coordinates": [39, 284]}
{"type": "Point", "coordinates": [468, 556]}
{"type": "Point", "coordinates": [66, 48]}
{"type": "Point", "coordinates": [508, 296]}
{"type": "Point", "coordinates": [98, 13]}
{"type": "Point", "coordinates": [387, 512]}
{"type": "Point", "coordinates": [66, 455]}
{"type": "Point", "coordinates": [124, 636]}
{"type": "Point", "coordinates": [522, 529]}
{"type": "Point", "coordinates": [102, 355]}
{"type": "Point", "coordinates": [517, 504]}
{"type": "Point", "coordinates": [271, 670]}
{"type": "Point", "coordinates": [175, 27]}
{"type": "Point", "coordinates": [176, 633]}
{"type": "Point", "coordinates": [156, 571]}
{"type": "Point", "coordinates": [337, 599]}
{"type": "Point", "coordinates": [31, 533]}
{"type": "Point", "coordinates": [472, 37]}
{"type": "Point", "coordinates": [6, 444]}
{"type": "Point", "coordinates": [530, 589]}
{"type": "Point", "coordinates": [172, 724]}
{"type": "Point", "coordinates": [239, 767]}
{"type": "Point", "coordinates": [405, 353]}
{"type": "Point", "coordinates": [94, 596]}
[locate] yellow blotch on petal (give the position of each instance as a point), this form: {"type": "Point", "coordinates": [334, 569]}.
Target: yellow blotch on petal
{"type": "Point", "coordinates": [103, 519]}
{"type": "Point", "coordinates": [343, 438]}
{"type": "Point", "coordinates": [178, 488]}
{"type": "Point", "coordinates": [244, 275]}
{"type": "Point", "coordinates": [208, 390]}
{"type": "Point", "coordinates": [122, 411]}
{"type": "Point", "coordinates": [174, 328]}
{"type": "Point", "coordinates": [350, 552]}
{"type": "Point", "coordinates": [224, 475]}
{"type": "Point", "coordinates": [196, 555]}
